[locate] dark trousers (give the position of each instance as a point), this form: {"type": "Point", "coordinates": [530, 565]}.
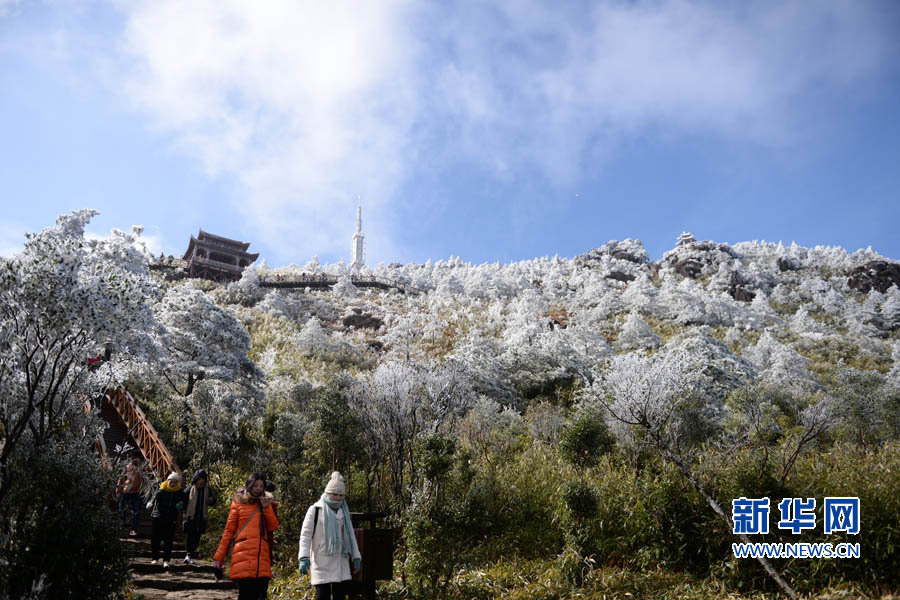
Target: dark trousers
{"type": "Point", "coordinates": [132, 501]}
{"type": "Point", "coordinates": [332, 591]}
{"type": "Point", "coordinates": [163, 531]}
{"type": "Point", "coordinates": [253, 589]}
{"type": "Point", "coordinates": [193, 529]}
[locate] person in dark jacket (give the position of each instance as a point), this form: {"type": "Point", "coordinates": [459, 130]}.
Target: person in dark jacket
{"type": "Point", "coordinates": [196, 513]}
{"type": "Point", "coordinates": [166, 503]}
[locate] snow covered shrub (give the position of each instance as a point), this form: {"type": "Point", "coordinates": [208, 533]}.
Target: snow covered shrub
{"type": "Point", "coordinates": [312, 339]}
{"type": "Point", "coordinates": [641, 295]}
{"type": "Point", "coordinates": [777, 363]}
{"type": "Point", "coordinates": [245, 291]}
{"type": "Point", "coordinates": [635, 334]}
{"type": "Point", "coordinates": [344, 287]}
{"type": "Point", "coordinates": [890, 309]}
{"type": "Point", "coordinates": [545, 422]}
{"type": "Point", "coordinates": [805, 326]}
{"type": "Point", "coordinates": [491, 430]}
{"type": "Point", "coordinates": [720, 371]}
{"type": "Point", "coordinates": [868, 409]}
{"type": "Point", "coordinates": [649, 395]}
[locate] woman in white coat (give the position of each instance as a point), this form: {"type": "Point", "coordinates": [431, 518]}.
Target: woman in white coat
{"type": "Point", "coordinates": [327, 543]}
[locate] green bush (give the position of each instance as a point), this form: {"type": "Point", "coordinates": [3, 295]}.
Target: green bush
{"type": "Point", "coordinates": [585, 439]}
{"type": "Point", "coordinates": [581, 499]}
{"type": "Point", "coordinates": [440, 536]}
{"type": "Point", "coordinates": [60, 527]}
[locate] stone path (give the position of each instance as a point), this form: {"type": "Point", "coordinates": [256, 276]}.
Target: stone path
{"type": "Point", "coordinates": [180, 581]}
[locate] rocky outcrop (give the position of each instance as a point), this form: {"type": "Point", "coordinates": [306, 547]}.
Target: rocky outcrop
{"type": "Point", "coordinates": [620, 276]}
{"type": "Point", "coordinates": [787, 263]}
{"type": "Point", "coordinates": [737, 288]}
{"type": "Point", "coordinates": [692, 259]}
{"type": "Point", "coordinates": [628, 250]}
{"type": "Point", "coordinates": [360, 320]}
{"type": "Point", "coordinates": [879, 275]}
{"type": "Point", "coordinates": [688, 267]}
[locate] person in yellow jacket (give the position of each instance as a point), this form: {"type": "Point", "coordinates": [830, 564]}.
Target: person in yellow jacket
{"type": "Point", "coordinates": [250, 520]}
{"type": "Point", "coordinates": [165, 504]}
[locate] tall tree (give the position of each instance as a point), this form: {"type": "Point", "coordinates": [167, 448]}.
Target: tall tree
{"type": "Point", "coordinates": [62, 298]}
{"type": "Point", "coordinates": [202, 341]}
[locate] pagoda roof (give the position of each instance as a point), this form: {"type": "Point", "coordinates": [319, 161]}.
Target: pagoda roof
{"type": "Point", "coordinates": [203, 235]}
{"type": "Point", "coordinates": [221, 243]}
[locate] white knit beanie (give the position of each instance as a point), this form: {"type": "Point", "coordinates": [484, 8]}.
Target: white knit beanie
{"type": "Point", "coordinates": [173, 476]}
{"type": "Point", "coordinates": [335, 485]}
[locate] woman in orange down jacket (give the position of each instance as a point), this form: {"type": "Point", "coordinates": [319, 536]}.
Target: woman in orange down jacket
{"type": "Point", "coordinates": [250, 520]}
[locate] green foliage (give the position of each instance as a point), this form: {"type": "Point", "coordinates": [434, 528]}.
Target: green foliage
{"type": "Point", "coordinates": [434, 456]}
{"type": "Point", "coordinates": [870, 409]}
{"type": "Point", "coordinates": [585, 439]}
{"type": "Point", "coordinates": [873, 477]}
{"type": "Point", "coordinates": [335, 430]}
{"type": "Point", "coordinates": [581, 499]}
{"type": "Point", "coordinates": [440, 534]}
{"type": "Point", "coordinates": [524, 497]}
{"type": "Point", "coordinates": [60, 528]}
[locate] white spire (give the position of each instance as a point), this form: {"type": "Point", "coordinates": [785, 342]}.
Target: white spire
{"type": "Point", "coordinates": [358, 248]}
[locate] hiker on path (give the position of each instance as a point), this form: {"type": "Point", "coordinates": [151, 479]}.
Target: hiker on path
{"type": "Point", "coordinates": [246, 539]}
{"type": "Point", "coordinates": [327, 543]}
{"type": "Point", "coordinates": [196, 514]}
{"type": "Point", "coordinates": [166, 503]}
{"type": "Point", "coordinates": [129, 491]}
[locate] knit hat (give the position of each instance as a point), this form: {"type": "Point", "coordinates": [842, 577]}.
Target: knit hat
{"type": "Point", "coordinates": [335, 485]}
{"type": "Point", "coordinates": [173, 476]}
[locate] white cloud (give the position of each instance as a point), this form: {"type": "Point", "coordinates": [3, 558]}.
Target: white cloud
{"type": "Point", "coordinates": [308, 104]}
{"type": "Point", "coordinates": [541, 83]}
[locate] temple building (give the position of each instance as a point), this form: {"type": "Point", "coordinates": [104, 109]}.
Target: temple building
{"type": "Point", "coordinates": [684, 239]}
{"type": "Point", "coordinates": [358, 251]}
{"type": "Point", "coordinates": [217, 258]}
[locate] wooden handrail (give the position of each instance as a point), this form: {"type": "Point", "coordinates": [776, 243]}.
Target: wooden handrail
{"type": "Point", "coordinates": [146, 436]}
{"type": "Point", "coordinates": [277, 280]}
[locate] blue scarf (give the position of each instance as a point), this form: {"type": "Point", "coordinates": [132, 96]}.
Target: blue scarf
{"type": "Point", "coordinates": [332, 535]}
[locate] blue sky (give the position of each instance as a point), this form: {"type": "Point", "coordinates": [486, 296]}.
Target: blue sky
{"type": "Point", "coordinates": [494, 131]}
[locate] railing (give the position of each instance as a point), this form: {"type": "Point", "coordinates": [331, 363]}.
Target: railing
{"type": "Point", "coordinates": [216, 263]}
{"type": "Point", "coordinates": [311, 280]}
{"type": "Point", "coordinates": [143, 432]}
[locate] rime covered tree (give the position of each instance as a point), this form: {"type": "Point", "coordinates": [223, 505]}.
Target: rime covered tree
{"type": "Point", "coordinates": [63, 298]}
{"type": "Point", "coordinates": [202, 341]}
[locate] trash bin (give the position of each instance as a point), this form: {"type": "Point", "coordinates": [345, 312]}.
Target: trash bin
{"type": "Point", "coordinates": [376, 545]}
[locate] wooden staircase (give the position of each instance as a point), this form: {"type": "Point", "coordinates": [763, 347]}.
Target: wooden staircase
{"type": "Point", "coordinates": [128, 424]}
